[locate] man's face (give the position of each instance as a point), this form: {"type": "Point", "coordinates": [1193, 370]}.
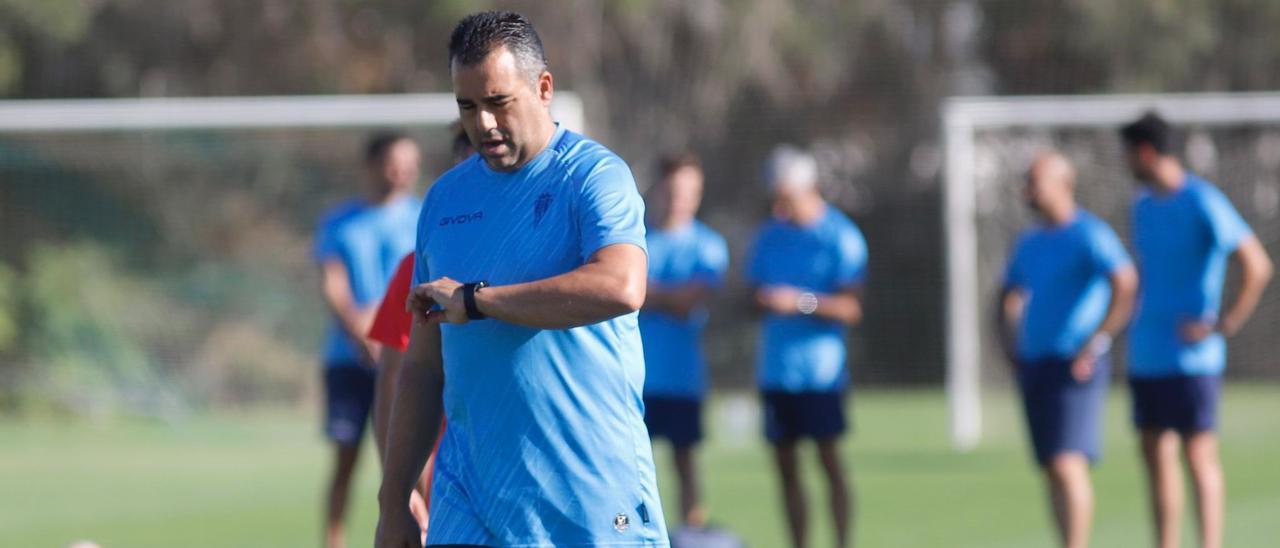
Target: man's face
{"type": "Point", "coordinates": [1142, 159]}
{"type": "Point", "coordinates": [787, 201]}
{"type": "Point", "coordinates": [1045, 191]}
{"type": "Point", "coordinates": [399, 167]}
{"type": "Point", "coordinates": [501, 108]}
{"type": "Point", "coordinates": [683, 192]}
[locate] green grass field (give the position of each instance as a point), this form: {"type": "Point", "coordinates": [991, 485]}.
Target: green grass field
{"type": "Point", "coordinates": [254, 479]}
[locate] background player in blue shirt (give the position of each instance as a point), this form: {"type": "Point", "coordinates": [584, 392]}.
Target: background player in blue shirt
{"type": "Point", "coordinates": [807, 267]}
{"type": "Point", "coordinates": [1068, 290]}
{"type": "Point", "coordinates": [1184, 229]}
{"type": "Point", "coordinates": [358, 245]}
{"type": "Point", "coordinates": [546, 443]}
{"type": "Point", "coordinates": [687, 260]}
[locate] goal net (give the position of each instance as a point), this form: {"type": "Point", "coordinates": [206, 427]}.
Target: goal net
{"type": "Point", "coordinates": [1231, 139]}
{"type": "Point", "coordinates": [157, 252]}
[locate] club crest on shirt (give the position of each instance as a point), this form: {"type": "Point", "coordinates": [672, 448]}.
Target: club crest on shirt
{"type": "Point", "coordinates": [621, 522]}
{"type": "Point", "coordinates": [540, 207]}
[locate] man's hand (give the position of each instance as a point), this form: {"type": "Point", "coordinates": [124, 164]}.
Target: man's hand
{"type": "Point", "coordinates": [1082, 367]}
{"type": "Point", "coordinates": [778, 299]}
{"type": "Point", "coordinates": [418, 507]}
{"type": "Point", "coordinates": [370, 353]}
{"type": "Point", "coordinates": [445, 292]}
{"type": "Point", "coordinates": [397, 528]}
{"type": "Point", "coordinates": [1195, 331]}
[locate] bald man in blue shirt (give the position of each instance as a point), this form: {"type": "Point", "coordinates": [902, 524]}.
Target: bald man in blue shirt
{"type": "Point", "coordinates": [1069, 288]}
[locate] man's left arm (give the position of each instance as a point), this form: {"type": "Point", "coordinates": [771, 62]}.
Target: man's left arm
{"type": "Point", "coordinates": [1256, 270]}
{"type": "Point", "coordinates": [610, 284]}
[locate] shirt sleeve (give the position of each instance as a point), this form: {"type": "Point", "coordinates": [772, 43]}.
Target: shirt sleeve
{"type": "Point", "coordinates": [713, 260]}
{"type": "Point", "coordinates": [392, 323]}
{"type": "Point", "coordinates": [851, 268]}
{"type": "Point", "coordinates": [755, 261]}
{"type": "Point", "coordinates": [1109, 254]}
{"type": "Point", "coordinates": [326, 242]}
{"type": "Point", "coordinates": [610, 210]}
{"type": "Point", "coordinates": [1014, 273]}
{"type": "Point", "coordinates": [1226, 226]}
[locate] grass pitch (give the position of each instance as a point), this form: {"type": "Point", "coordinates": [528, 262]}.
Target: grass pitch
{"type": "Point", "coordinates": [255, 479]}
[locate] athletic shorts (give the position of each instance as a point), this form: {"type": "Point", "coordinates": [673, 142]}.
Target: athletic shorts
{"type": "Point", "coordinates": [349, 390]}
{"type": "Point", "coordinates": [678, 419]}
{"type": "Point", "coordinates": [1062, 414]}
{"type": "Point", "coordinates": [1186, 403]}
{"type": "Point", "coordinates": [791, 416]}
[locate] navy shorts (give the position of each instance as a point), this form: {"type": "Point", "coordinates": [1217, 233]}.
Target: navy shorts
{"type": "Point", "coordinates": [1063, 415]}
{"type": "Point", "coordinates": [348, 390]}
{"type": "Point", "coordinates": [677, 419]}
{"type": "Point", "coordinates": [1186, 403]}
{"type": "Point", "coordinates": [790, 416]}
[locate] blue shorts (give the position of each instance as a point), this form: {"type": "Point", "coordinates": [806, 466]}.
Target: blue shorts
{"type": "Point", "coordinates": [1063, 415]}
{"type": "Point", "coordinates": [1186, 403]}
{"type": "Point", "coordinates": [677, 419]}
{"type": "Point", "coordinates": [790, 416]}
{"type": "Point", "coordinates": [348, 390]}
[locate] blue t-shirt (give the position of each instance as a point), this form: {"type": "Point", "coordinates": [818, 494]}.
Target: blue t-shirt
{"type": "Point", "coordinates": [674, 363]}
{"type": "Point", "coordinates": [1182, 241]}
{"type": "Point", "coordinates": [1065, 271]}
{"type": "Point", "coordinates": [546, 443]}
{"type": "Point", "coordinates": [369, 240]}
{"type": "Point", "coordinates": [799, 353]}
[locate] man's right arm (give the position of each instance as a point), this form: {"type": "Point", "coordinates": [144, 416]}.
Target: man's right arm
{"type": "Point", "coordinates": [335, 285]}
{"type": "Point", "coordinates": [1008, 316]}
{"type": "Point", "coordinates": [415, 423]}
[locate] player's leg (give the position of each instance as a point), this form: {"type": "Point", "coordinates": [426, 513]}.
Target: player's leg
{"type": "Point", "coordinates": [345, 459]}
{"type": "Point", "coordinates": [784, 425]}
{"type": "Point", "coordinates": [786, 459]}
{"type": "Point", "coordinates": [1071, 495]}
{"type": "Point", "coordinates": [349, 391]}
{"type": "Point", "coordinates": [824, 421]}
{"type": "Point", "coordinates": [839, 497]}
{"type": "Point", "coordinates": [1164, 483]}
{"type": "Point", "coordinates": [691, 509]}
{"type": "Point", "coordinates": [1200, 444]}
{"type": "Point", "coordinates": [1210, 488]}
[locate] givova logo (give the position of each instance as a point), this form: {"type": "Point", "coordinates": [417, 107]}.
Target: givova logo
{"type": "Point", "coordinates": [462, 219]}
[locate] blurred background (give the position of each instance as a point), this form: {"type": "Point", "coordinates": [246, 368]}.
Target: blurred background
{"type": "Point", "coordinates": [166, 274]}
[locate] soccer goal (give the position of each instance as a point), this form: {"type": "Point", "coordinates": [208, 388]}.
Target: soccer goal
{"type": "Point", "coordinates": [163, 245]}
{"type": "Point", "coordinates": [1231, 139]}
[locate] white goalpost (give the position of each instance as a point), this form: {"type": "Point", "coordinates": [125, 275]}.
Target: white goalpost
{"type": "Point", "coordinates": [47, 115]}
{"type": "Point", "coordinates": [1219, 119]}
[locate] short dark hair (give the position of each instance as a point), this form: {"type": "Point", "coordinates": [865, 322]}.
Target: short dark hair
{"type": "Point", "coordinates": [376, 148]}
{"type": "Point", "coordinates": [1150, 129]}
{"type": "Point", "coordinates": [675, 161]}
{"type": "Point", "coordinates": [478, 34]}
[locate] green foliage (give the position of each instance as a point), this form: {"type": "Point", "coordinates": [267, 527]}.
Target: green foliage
{"type": "Point", "coordinates": [63, 21]}
{"type": "Point", "coordinates": [8, 309]}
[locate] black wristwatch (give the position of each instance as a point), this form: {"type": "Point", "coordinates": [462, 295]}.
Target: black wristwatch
{"type": "Point", "coordinates": [469, 299]}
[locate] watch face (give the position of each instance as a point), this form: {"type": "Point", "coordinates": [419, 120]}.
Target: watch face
{"type": "Point", "coordinates": [807, 303]}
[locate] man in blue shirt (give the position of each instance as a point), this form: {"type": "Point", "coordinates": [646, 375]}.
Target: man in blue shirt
{"type": "Point", "coordinates": [1184, 229]}
{"type": "Point", "coordinates": [529, 272]}
{"type": "Point", "coordinates": [1068, 290]}
{"type": "Point", "coordinates": [687, 260]}
{"type": "Point", "coordinates": [807, 267]}
{"type": "Point", "coordinates": [357, 245]}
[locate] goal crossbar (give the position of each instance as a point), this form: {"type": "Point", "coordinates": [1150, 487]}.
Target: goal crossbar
{"type": "Point", "coordinates": [49, 115]}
